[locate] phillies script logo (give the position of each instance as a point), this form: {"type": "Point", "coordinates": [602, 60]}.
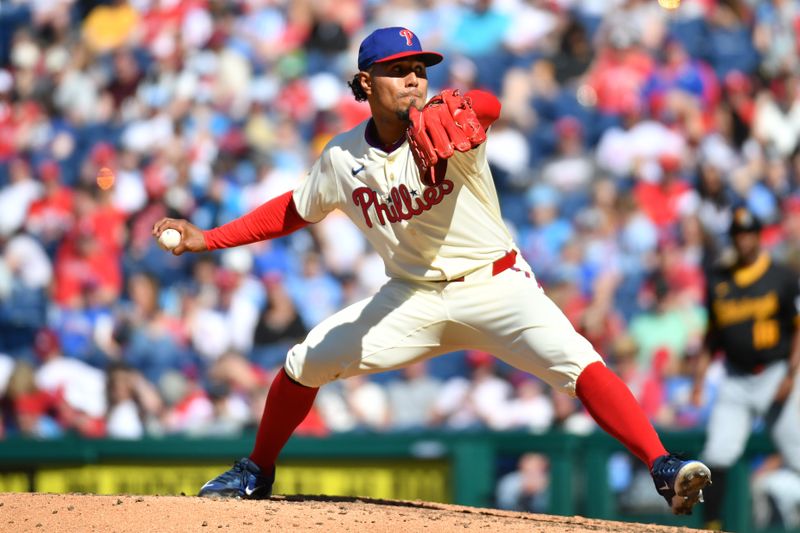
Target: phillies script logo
{"type": "Point", "coordinates": [408, 35]}
{"type": "Point", "coordinates": [401, 204]}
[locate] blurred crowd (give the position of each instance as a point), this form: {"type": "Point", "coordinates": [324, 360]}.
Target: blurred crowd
{"type": "Point", "coordinates": [628, 133]}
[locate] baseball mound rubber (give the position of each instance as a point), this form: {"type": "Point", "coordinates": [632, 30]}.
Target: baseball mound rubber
{"type": "Point", "coordinates": [61, 513]}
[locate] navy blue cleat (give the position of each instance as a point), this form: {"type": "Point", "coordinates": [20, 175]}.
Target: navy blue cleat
{"type": "Point", "coordinates": [244, 481]}
{"type": "Point", "coordinates": [680, 482]}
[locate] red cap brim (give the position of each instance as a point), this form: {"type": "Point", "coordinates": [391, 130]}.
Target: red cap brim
{"type": "Point", "coordinates": [429, 58]}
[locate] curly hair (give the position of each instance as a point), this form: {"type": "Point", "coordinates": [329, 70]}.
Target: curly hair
{"type": "Point", "coordinates": [358, 91]}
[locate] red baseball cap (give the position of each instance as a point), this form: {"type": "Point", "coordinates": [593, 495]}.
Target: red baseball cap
{"type": "Point", "coordinates": [388, 44]}
{"type": "Point", "coordinates": [569, 126]}
{"type": "Point", "coordinates": [737, 81]}
{"type": "Point", "coordinates": [478, 358]}
{"type": "Point", "coordinates": [103, 154]}
{"type": "Point", "coordinates": [670, 162]}
{"type": "Point", "coordinates": [46, 342]}
{"type": "Point", "coordinates": [49, 171]}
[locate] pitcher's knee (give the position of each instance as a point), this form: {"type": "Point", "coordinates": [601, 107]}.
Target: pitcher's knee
{"type": "Point", "coordinates": [573, 371]}
{"type": "Point", "coordinates": [307, 371]}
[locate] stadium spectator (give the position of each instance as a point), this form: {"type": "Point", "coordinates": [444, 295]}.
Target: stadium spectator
{"type": "Point", "coordinates": [666, 324]}
{"type": "Point", "coordinates": [477, 401]}
{"type": "Point", "coordinates": [527, 488]}
{"type": "Point", "coordinates": [568, 415]}
{"type": "Point", "coordinates": [529, 409]}
{"type": "Point", "coordinates": [77, 389]}
{"type": "Point", "coordinates": [134, 404]}
{"type": "Point", "coordinates": [188, 403]}
{"type": "Point", "coordinates": [26, 275]}
{"type": "Point", "coordinates": [411, 398]}
{"type": "Point", "coordinates": [27, 410]}
{"type": "Point", "coordinates": [358, 404]}
{"type": "Point", "coordinates": [17, 196]}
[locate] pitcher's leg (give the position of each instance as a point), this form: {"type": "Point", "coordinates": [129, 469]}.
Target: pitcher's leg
{"type": "Point", "coordinates": [400, 324]}
{"type": "Point", "coordinates": [289, 401]}
{"type": "Point", "coordinates": [527, 330]}
{"type": "Point", "coordinates": [580, 370]}
{"type": "Point", "coordinates": [288, 404]}
{"type": "Point", "coordinates": [615, 409]}
{"type": "Point", "coordinates": [610, 403]}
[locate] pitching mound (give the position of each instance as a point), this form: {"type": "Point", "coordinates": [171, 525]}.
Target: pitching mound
{"type": "Point", "coordinates": [57, 513]}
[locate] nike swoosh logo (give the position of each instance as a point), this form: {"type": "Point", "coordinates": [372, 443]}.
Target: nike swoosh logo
{"type": "Point", "coordinates": [665, 487]}
{"type": "Point", "coordinates": [355, 171]}
{"type": "Point", "coordinates": [249, 491]}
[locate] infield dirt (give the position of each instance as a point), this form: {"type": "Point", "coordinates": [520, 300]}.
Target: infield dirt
{"type": "Point", "coordinates": [60, 513]}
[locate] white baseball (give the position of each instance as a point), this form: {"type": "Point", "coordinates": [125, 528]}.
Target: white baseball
{"type": "Point", "coordinates": [169, 239]}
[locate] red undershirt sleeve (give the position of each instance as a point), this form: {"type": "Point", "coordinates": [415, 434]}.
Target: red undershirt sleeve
{"type": "Point", "coordinates": [486, 107]}
{"type": "Point", "coordinates": [274, 218]}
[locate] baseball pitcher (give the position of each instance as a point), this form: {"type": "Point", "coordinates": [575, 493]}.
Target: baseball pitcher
{"type": "Point", "coordinates": [414, 178]}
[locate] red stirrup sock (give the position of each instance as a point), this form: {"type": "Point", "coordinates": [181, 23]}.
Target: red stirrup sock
{"type": "Point", "coordinates": [288, 403]}
{"type": "Point", "coordinates": [614, 408]}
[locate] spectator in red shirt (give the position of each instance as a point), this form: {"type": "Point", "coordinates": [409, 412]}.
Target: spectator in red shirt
{"type": "Point", "coordinates": [659, 194]}
{"type": "Point", "coordinates": [619, 73]}
{"type": "Point", "coordinates": [82, 262]}
{"type": "Point", "coordinates": [50, 217]}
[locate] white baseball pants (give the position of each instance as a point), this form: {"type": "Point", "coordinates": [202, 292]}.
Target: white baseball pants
{"type": "Point", "coordinates": [743, 397]}
{"type": "Point", "coordinates": [507, 315]}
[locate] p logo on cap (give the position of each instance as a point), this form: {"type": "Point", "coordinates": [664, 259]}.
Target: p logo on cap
{"type": "Point", "coordinates": [409, 37]}
{"type": "Point", "coordinates": [388, 44]}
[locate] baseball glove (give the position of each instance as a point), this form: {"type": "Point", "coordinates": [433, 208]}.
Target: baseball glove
{"type": "Point", "coordinates": [446, 123]}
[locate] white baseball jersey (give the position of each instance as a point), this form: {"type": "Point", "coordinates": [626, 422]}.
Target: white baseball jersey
{"type": "Point", "coordinates": [422, 233]}
{"type": "Point", "coordinates": [427, 235]}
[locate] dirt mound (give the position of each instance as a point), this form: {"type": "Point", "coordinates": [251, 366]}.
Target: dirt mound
{"type": "Point", "coordinates": [58, 513]}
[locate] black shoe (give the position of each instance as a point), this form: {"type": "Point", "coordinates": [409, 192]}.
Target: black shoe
{"type": "Point", "coordinates": [244, 481]}
{"type": "Point", "coordinates": [680, 482]}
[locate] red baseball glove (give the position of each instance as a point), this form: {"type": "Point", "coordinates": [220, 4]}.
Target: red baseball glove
{"type": "Point", "coordinates": [446, 123]}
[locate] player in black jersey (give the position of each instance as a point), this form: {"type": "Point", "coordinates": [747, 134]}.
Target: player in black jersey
{"type": "Point", "coordinates": [753, 320]}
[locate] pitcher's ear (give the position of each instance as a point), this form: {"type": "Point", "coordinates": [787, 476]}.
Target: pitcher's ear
{"type": "Point", "coordinates": [365, 78]}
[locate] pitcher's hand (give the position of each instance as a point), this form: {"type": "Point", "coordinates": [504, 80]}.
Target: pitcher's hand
{"type": "Point", "coordinates": [192, 239]}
